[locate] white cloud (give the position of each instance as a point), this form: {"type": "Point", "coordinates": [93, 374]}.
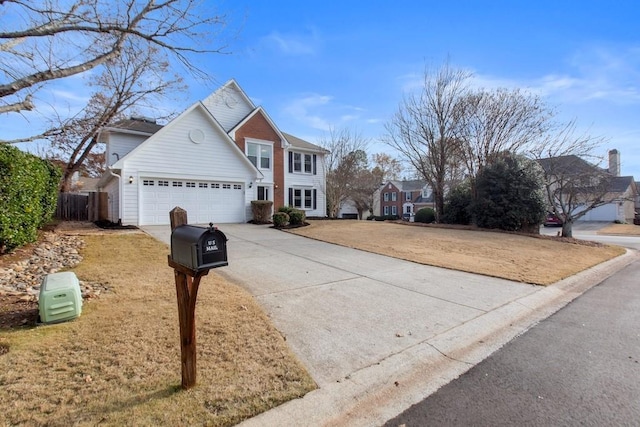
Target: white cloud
{"type": "Point", "coordinates": [305, 110]}
{"type": "Point", "coordinates": [292, 44]}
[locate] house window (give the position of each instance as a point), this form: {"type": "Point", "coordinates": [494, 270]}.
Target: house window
{"type": "Point", "coordinates": [147, 182]}
{"type": "Point", "coordinates": [307, 163]}
{"type": "Point", "coordinates": [163, 183]}
{"type": "Point", "coordinates": [407, 196]}
{"type": "Point", "coordinates": [386, 210]}
{"type": "Point", "coordinates": [394, 196]}
{"type": "Point", "coordinates": [191, 185]}
{"type": "Point", "coordinates": [259, 155]}
{"type": "Point", "coordinates": [394, 210]}
{"type": "Point", "coordinates": [203, 185]}
{"type": "Point", "coordinates": [177, 183]}
{"type": "Point", "coordinates": [226, 186]}
{"type": "Point", "coordinates": [237, 186]}
{"type": "Point", "coordinates": [215, 185]}
{"type": "Point", "coordinates": [302, 198]}
{"type": "Point", "coordinates": [302, 163]}
{"type": "Point", "coordinates": [408, 210]}
{"type": "Point", "coordinates": [263, 193]}
{"type": "Point", "coordinates": [297, 162]}
{"type": "Point", "coordinates": [386, 198]}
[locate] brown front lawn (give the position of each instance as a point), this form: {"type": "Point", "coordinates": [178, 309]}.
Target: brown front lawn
{"type": "Point", "coordinates": [539, 260]}
{"type": "Point", "coordinates": [119, 362]}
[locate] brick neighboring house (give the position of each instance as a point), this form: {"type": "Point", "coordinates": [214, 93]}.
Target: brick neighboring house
{"type": "Point", "coordinates": [405, 198]}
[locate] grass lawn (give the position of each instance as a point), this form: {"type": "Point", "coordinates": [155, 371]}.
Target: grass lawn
{"type": "Point", "coordinates": [539, 260]}
{"type": "Point", "coordinates": [621, 230]}
{"type": "Point", "coordinates": [119, 362]}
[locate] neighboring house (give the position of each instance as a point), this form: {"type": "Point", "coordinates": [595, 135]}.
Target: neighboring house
{"type": "Point", "coordinates": [348, 210]}
{"type": "Point", "coordinates": [621, 191]}
{"type": "Point", "coordinates": [405, 198]}
{"type": "Point", "coordinates": [212, 160]}
{"type": "Point", "coordinates": [83, 184]}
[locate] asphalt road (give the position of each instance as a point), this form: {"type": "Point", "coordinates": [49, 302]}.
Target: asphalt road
{"type": "Point", "coordinates": [580, 366]}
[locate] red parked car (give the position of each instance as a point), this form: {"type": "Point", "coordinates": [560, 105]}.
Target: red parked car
{"type": "Point", "coordinates": [552, 220]}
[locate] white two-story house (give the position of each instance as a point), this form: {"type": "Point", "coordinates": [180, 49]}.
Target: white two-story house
{"type": "Point", "coordinates": [212, 160]}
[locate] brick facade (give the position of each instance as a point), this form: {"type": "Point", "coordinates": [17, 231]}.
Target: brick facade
{"type": "Point", "coordinates": [259, 128]}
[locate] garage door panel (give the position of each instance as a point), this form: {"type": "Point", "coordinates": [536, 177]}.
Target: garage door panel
{"type": "Point", "coordinates": [204, 201]}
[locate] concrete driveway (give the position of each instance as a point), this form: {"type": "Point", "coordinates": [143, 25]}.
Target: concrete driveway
{"type": "Point", "coordinates": [360, 322]}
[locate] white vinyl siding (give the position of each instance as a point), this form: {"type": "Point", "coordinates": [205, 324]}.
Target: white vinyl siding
{"type": "Point", "coordinates": [228, 106]}
{"type": "Point", "coordinates": [172, 156]}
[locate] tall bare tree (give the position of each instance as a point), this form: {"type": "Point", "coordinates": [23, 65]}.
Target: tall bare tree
{"type": "Point", "coordinates": [346, 156]}
{"type": "Point", "coordinates": [424, 129]}
{"type": "Point", "coordinates": [386, 166]}
{"type": "Point", "coordinates": [496, 122]}
{"type": "Point", "coordinates": [133, 78]}
{"type": "Point", "coordinates": [44, 41]}
{"type": "Point", "coordinates": [574, 184]}
{"type": "Point", "coordinates": [363, 189]}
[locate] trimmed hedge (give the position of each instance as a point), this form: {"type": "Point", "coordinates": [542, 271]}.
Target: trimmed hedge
{"type": "Point", "coordinates": [280, 219]}
{"type": "Point", "coordinates": [297, 217]}
{"type": "Point", "coordinates": [425, 216]}
{"type": "Point", "coordinates": [28, 196]}
{"type": "Point", "coordinates": [261, 210]}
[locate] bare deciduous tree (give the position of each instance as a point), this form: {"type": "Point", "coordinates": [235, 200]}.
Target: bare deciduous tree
{"type": "Point", "coordinates": [50, 40]}
{"type": "Point", "coordinates": [386, 166]}
{"type": "Point", "coordinates": [126, 81]}
{"type": "Point", "coordinates": [345, 157]}
{"type": "Point", "coordinates": [498, 121]}
{"type": "Point", "coordinates": [362, 190]}
{"type": "Point", "coordinates": [424, 129]}
{"type": "Point", "coordinates": [573, 185]}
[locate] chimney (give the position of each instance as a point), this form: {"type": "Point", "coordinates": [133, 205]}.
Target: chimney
{"type": "Point", "coordinates": [614, 162]}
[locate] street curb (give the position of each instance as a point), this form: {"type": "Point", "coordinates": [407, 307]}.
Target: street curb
{"type": "Point", "coordinates": [374, 394]}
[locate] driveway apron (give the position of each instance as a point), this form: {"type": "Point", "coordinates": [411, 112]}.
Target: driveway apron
{"type": "Point", "coordinates": [343, 310]}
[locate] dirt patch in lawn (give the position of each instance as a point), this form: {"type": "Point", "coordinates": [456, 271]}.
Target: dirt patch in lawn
{"type": "Point", "coordinates": [119, 362]}
{"type": "Point", "coordinates": [540, 260]}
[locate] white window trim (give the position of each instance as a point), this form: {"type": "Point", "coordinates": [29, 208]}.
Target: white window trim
{"type": "Point", "coordinates": [259, 142]}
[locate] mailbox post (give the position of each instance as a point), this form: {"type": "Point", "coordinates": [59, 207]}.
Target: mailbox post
{"type": "Point", "coordinates": [194, 251]}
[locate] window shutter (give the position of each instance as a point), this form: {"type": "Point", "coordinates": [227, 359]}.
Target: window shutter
{"type": "Point", "coordinates": [315, 170]}
{"type": "Point", "coordinates": [315, 192]}
{"type": "Point", "coordinates": [290, 162]}
{"type": "Point", "coordinates": [290, 194]}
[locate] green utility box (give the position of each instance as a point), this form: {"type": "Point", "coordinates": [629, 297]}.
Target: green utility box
{"type": "Point", "coordinates": [60, 297]}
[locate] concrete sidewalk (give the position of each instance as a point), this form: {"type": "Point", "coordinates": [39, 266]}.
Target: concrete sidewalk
{"type": "Point", "coordinates": [378, 334]}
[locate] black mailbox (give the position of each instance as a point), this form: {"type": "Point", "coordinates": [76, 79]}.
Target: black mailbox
{"type": "Point", "coordinates": [199, 248]}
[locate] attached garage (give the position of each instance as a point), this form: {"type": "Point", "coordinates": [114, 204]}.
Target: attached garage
{"type": "Point", "coordinates": [204, 201]}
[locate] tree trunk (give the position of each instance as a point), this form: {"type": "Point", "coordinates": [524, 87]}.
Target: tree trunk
{"type": "Point", "coordinates": [567, 229]}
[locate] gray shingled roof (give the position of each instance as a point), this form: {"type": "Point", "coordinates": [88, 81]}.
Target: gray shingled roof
{"type": "Point", "coordinates": [301, 143]}
{"type": "Point", "coordinates": [570, 164]}
{"type": "Point", "coordinates": [138, 125]}
{"type": "Point", "coordinates": [620, 184]}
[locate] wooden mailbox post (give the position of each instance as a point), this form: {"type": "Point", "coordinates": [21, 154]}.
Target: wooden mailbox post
{"type": "Point", "coordinates": [190, 264]}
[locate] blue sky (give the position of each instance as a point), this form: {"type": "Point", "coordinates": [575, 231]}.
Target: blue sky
{"type": "Point", "coordinates": [317, 64]}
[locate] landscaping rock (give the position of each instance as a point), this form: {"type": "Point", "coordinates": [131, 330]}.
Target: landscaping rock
{"type": "Point", "coordinates": [56, 251]}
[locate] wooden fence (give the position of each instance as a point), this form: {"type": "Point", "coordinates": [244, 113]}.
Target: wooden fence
{"type": "Point", "coordinates": [80, 207]}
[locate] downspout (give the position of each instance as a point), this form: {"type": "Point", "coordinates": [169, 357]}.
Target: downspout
{"type": "Point", "coordinates": [120, 189]}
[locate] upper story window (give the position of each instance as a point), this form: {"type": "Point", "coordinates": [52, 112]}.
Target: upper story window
{"type": "Point", "coordinates": [394, 196]}
{"type": "Point", "coordinates": [302, 163]}
{"type": "Point", "coordinates": [386, 197]}
{"type": "Point", "coordinates": [407, 196]}
{"type": "Point", "coordinates": [259, 154]}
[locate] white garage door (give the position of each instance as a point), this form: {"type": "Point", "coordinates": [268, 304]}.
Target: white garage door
{"type": "Point", "coordinates": [204, 201]}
